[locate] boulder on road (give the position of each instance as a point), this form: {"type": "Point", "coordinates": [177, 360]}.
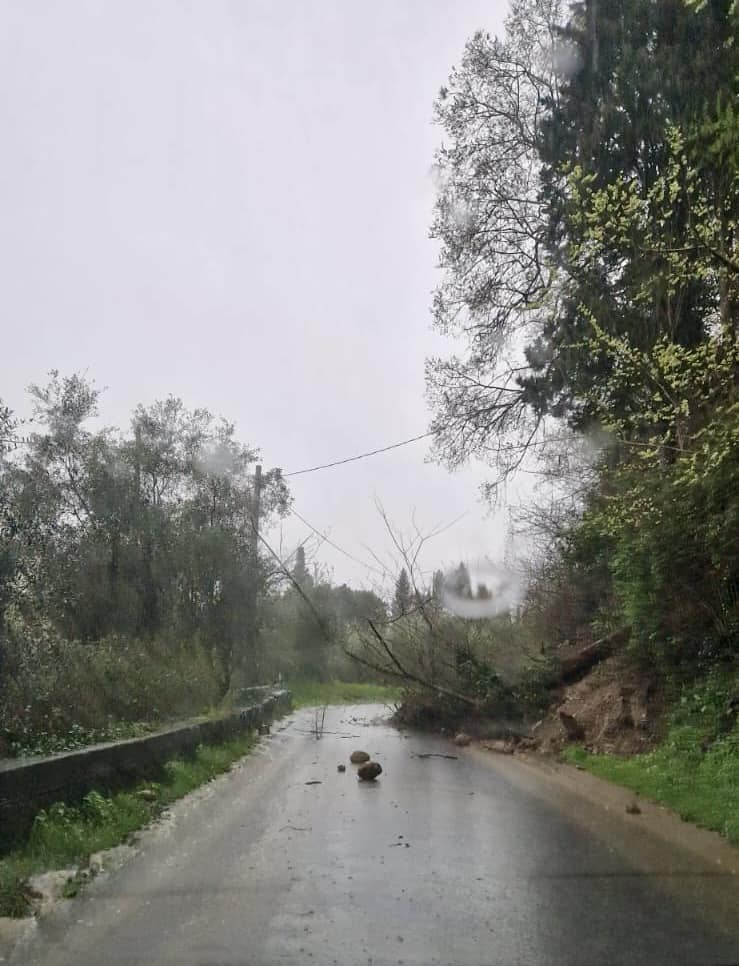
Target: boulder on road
{"type": "Point", "coordinates": [462, 740]}
{"type": "Point", "coordinates": [357, 757]}
{"type": "Point", "coordinates": [500, 746]}
{"type": "Point", "coordinates": [369, 771]}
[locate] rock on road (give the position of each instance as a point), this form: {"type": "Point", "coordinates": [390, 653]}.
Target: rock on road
{"type": "Point", "coordinates": [441, 861]}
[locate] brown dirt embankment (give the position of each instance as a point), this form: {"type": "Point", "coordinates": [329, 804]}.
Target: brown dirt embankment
{"type": "Point", "coordinates": [614, 709]}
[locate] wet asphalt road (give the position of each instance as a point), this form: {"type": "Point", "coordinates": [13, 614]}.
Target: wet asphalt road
{"type": "Point", "coordinates": [440, 861]}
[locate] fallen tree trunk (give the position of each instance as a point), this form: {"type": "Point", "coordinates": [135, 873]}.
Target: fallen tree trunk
{"type": "Point", "coordinates": [576, 666]}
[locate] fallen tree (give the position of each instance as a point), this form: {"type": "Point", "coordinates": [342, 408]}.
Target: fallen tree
{"type": "Point", "coordinates": [575, 666]}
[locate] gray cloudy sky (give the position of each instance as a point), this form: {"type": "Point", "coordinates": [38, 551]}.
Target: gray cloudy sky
{"type": "Point", "coordinates": [229, 202]}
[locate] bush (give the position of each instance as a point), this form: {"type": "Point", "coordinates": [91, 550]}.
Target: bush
{"type": "Point", "coordinates": [59, 695]}
{"type": "Point", "coordinates": [533, 690]}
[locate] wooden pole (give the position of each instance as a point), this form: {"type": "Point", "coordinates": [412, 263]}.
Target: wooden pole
{"type": "Point", "coordinates": [245, 670]}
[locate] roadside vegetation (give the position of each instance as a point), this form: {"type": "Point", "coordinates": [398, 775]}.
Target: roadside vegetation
{"type": "Point", "coordinates": [695, 770]}
{"type": "Point", "coordinates": [64, 836]}
{"type": "Point", "coordinates": [320, 693]}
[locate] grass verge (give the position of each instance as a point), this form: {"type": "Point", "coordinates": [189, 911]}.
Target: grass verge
{"type": "Point", "coordinates": [702, 787]}
{"type": "Point", "coordinates": [63, 836]}
{"type": "Point", "coordinates": [308, 693]}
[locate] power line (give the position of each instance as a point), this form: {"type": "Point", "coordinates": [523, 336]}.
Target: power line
{"type": "Point", "coordinates": [522, 446]}
{"type": "Point", "coordinates": [280, 563]}
{"type": "Point", "coordinates": [331, 543]}
{"type": "Point", "coordinates": [361, 456]}
{"type": "Point", "coordinates": [403, 442]}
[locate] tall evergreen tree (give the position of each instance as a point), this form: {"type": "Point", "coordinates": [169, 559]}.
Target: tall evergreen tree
{"type": "Point", "coordinates": [403, 598]}
{"type": "Point", "coordinates": [459, 583]}
{"type": "Point", "coordinates": [300, 570]}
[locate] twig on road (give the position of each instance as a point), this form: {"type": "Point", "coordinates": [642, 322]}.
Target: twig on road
{"type": "Point", "coordinates": [337, 734]}
{"type": "Point", "coordinates": [432, 754]}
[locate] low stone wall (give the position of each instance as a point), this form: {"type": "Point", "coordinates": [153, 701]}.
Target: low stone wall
{"type": "Point", "coordinates": [28, 785]}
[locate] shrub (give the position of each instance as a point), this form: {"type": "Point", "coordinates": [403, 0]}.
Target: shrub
{"type": "Point", "coordinates": [59, 695]}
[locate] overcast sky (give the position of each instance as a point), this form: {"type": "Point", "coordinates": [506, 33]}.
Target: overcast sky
{"type": "Point", "coordinates": [230, 202]}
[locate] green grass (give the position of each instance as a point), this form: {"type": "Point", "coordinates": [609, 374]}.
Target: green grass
{"type": "Point", "coordinates": [701, 786]}
{"type": "Point", "coordinates": [63, 836]}
{"type": "Point", "coordinates": [309, 693]}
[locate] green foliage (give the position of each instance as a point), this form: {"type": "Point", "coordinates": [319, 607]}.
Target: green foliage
{"type": "Point", "coordinates": [640, 174]}
{"type": "Point", "coordinates": [615, 185]}
{"type": "Point", "coordinates": [108, 535]}
{"type": "Point", "coordinates": [607, 162]}
{"type": "Point", "coordinates": [59, 695]}
{"type": "Point", "coordinates": [532, 690]}
{"type": "Point", "coordinates": [699, 785]}
{"type": "Point", "coordinates": [14, 873]}
{"type": "Point", "coordinates": [63, 834]}
{"type": "Point", "coordinates": [75, 737]}
{"type": "Point", "coordinates": [478, 678]}
{"type": "Point", "coordinates": [665, 516]}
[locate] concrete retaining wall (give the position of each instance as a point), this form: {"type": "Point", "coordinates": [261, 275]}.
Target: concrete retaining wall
{"type": "Point", "coordinates": [28, 785]}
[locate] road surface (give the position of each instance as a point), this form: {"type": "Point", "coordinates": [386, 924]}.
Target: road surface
{"type": "Point", "coordinates": [441, 861]}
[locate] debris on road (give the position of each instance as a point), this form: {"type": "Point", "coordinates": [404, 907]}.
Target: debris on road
{"type": "Point", "coordinates": [432, 754]}
{"type": "Point", "coordinates": [633, 809]}
{"type": "Point", "coordinates": [358, 757]}
{"type": "Point", "coordinates": [335, 734]}
{"type": "Point", "coordinates": [315, 781]}
{"type": "Point", "coordinates": [502, 747]}
{"type": "Point", "coordinates": [46, 888]}
{"type": "Point", "coordinates": [462, 740]}
{"type": "Point", "coordinates": [341, 768]}
{"type": "Point", "coordinates": [369, 771]}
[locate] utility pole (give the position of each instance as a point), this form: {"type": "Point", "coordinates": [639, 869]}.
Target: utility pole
{"type": "Point", "coordinates": [137, 461]}
{"type": "Point", "coordinates": [245, 664]}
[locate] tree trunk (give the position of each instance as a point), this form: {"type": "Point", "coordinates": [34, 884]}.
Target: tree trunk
{"type": "Point", "coordinates": [576, 666]}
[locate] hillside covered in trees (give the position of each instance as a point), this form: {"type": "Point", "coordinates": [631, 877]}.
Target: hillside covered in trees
{"type": "Point", "coordinates": [588, 217]}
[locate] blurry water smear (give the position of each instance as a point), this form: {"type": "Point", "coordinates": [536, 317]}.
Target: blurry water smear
{"type": "Point", "coordinates": [481, 589]}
